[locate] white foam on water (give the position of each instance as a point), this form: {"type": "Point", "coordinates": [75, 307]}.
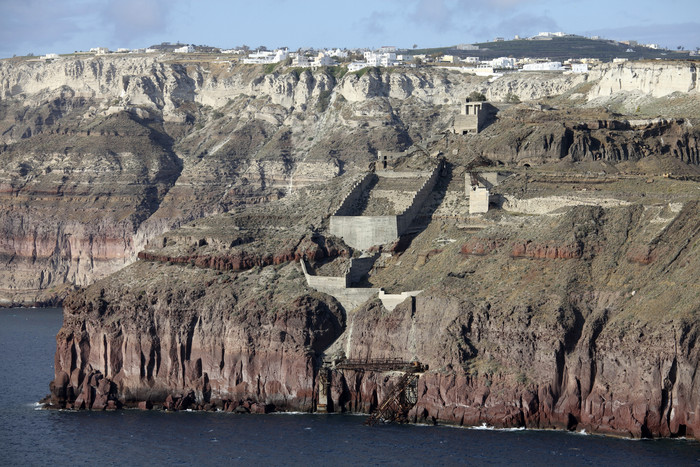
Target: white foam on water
{"type": "Point", "coordinates": [484, 426]}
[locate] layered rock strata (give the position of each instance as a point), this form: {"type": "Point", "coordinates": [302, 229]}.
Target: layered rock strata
{"type": "Point", "coordinates": [153, 142]}
{"type": "Point", "coordinates": [551, 321]}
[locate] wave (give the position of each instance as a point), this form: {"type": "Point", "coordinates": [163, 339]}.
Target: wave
{"type": "Point", "coordinates": [484, 426]}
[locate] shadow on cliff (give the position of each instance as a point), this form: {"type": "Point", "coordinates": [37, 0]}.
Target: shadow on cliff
{"type": "Point", "coordinates": [169, 168]}
{"type": "Point", "coordinates": [425, 216]}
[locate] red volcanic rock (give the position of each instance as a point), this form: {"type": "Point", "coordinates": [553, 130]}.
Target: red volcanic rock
{"type": "Point", "coordinates": [529, 249]}
{"type": "Point", "coordinates": [258, 408]}
{"type": "Point", "coordinates": [243, 260]}
{"type": "Point", "coordinates": [642, 254]}
{"type": "Point", "coordinates": [204, 347]}
{"type": "Point", "coordinates": [145, 405]}
{"type": "Point", "coordinates": [170, 401]}
{"type": "Point", "coordinates": [480, 246]}
{"type": "Point", "coordinates": [565, 352]}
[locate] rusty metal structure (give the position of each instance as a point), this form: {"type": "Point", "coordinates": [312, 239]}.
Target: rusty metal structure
{"type": "Point", "coordinates": [402, 395]}
{"type": "Point", "coordinates": [377, 364]}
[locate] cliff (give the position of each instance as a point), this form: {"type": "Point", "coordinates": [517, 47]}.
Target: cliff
{"type": "Point", "coordinates": [176, 196]}
{"type": "Point", "coordinates": [102, 154]}
{"type": "Point", "coordinates": [578, 318]}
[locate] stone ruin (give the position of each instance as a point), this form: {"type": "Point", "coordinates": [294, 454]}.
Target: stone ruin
{"type": "Point", "coordinates": [477, 186]}
{"type": "Point", "coordinates": [341, 287]}
{"type": "Point", "coordinates": [472, 117]}
{"type": "Point", "coordinates": [381, 206]}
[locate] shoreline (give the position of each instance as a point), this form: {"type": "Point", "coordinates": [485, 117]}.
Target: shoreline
{"type": "Point", "coordinates": [482, 427]}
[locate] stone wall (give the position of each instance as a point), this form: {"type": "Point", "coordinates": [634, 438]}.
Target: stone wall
{"type": "Point", "coordinates": [346, 207]}
{"type": "Point", "coordinates": [323, 282]}
{"type": "Point", "coordinates": [478, 200]}
{"type": "Point", "coordinates": [390, 301]}
{"type": "Point", "coordinates": [363, 232]}
{"type": "Point", "coordinates": [406, 218]}
{"type": "Point", "coordinates": [349, 297]}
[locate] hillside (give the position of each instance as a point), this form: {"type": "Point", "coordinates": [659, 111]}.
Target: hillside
{"type": "Point", "coordinates": [560, 49]}
{"type": "Point", "coordinates": [168, 204]}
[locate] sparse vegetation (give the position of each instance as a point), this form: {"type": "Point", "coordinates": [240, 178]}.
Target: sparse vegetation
{"type": "Point", "coordinates": [512, 98]}
{"type": "Point", "coordinates": [476, 96]}
{"type": "Point", "coordinates": [324, 99]}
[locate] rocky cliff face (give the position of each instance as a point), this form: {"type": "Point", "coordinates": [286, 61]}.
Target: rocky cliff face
{"type": "Point", "coordinates": [584, 318]}
{"type": "Point", "coordinates": [150, 143]}
{"type": "Point", "coordinates": [217, 343]}
{"type": "Point", "coordinates": [591, 338]}
{"type": "Point", "coordinates": [657, 79]}
{"type": "Point", "coordinates": [574, 305]}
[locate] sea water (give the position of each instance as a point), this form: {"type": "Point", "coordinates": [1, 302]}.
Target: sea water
{"type": "Point", "coordinates": [31, 436]}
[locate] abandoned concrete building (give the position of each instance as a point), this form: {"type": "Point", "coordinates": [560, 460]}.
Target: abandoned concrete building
{"type": "Point", "coordinates": [477, 187]}
{"type": "Point", "coordinates": [472, 117]}
{"type": "Point", "coordinates": [386, 159]}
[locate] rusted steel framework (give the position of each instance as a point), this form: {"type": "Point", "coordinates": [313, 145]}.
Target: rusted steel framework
{"type": "Point", "coordinates": [380, 364]}
{"type": "Point", "coordinates": [402, 397]}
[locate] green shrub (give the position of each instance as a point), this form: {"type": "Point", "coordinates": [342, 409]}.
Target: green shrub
{"type": "Point", "coordinates": [323, 99]}
{"type": "Point", "coordinates": [337, 71]}
{"type": "Point", "coordinates": [476, 96]}
{"type": "Point", "coordinates": [512, 98]}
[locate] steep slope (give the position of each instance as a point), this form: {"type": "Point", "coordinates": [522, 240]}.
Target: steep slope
{"type": "Point", "coordinates": [163, 140]}
{"type": "Point", "coordinates": [581, 318]}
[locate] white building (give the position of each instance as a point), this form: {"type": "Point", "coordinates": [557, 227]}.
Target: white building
{"type": "Point", "coordinates": [266, 57]}
{"type": "Point", "coordinates": [471, 60]}
{"type": "Point", "coordinates": [301, 61]}
{"type": "Point", "coordinates": [336, 53]}
{"type": "Point", "coordinates": [323, 60]}
{"type": "Point", "coordinates": [546, 66]}
{"type": "Point", "coordinates": [185, 49]}
{"type": "Point", "coordinates": [380, 59]}
{"type": "Point", "coordinates": [100, 50]}
{"type": "Point", "coordinates": [552, 34]}
{"type": "Point", "coordinates": [502, 62]}
{"type": "Point", "coordinates": [467, 47]}
{"type": "Point", "coordinates": [356, 66]}
{"type": "Point", "coordinates": [579, 67]}
{"type": "Point", "coordinates": [49, 57]}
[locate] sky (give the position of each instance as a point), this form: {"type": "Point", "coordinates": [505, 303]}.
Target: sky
{"type": "Point", "coordinates": [65, 26]}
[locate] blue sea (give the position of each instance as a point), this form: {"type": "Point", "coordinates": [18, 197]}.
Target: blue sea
{"type": "Point", "coordinates": [30, 436]}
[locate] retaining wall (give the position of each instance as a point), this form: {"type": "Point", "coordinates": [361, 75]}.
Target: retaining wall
{"type": "Point", "coordinates": [390, 301]}
{"type": "Point", "coordinates": [362, 232]}
{"type": "Point", "coordinates": [337, 287]}
{"type": "Point", "coordinates": [346, 207]}
{"type": "Point", "coordinates": [405, 218]}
